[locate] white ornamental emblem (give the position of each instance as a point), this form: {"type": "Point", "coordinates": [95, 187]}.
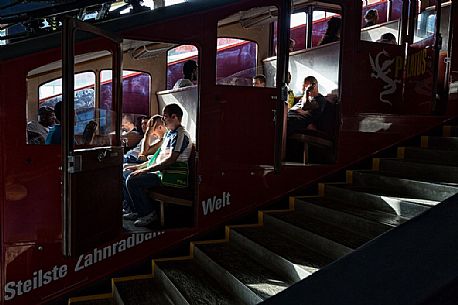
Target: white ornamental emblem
{"type": "Point", "coordinates": [381, 70]}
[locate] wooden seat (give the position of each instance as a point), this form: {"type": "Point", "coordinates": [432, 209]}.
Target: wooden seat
{"type": "Point", "coordinates": [178, 196]}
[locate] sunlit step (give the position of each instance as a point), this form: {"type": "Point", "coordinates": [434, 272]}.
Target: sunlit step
{"type": "Point", "coordinates": [405, 188]}
{"type": "Point", "coordinates": [382, 200]}
{"type": "Point", "coordinates": [282, 253]}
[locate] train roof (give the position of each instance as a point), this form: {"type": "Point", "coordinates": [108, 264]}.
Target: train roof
{"type": "Point", "coordinates": [122, 23]}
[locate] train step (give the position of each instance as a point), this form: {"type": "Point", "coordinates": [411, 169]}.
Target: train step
{"type": "Point", "coordinates": [406, 187]}
{"type": "Point", "coordinates": [188, 283]}
{"type": "Point", "coordinates": [382, 200]}
{"type": "Point", "coordinates": [252, 281]}
{"type": "Point", "coordinates": [280, 253]}
{"type": "Point", "coordinates": [419, 171]}
{"type": "Point", "coordinates": [139, 291]}
{"type": "Point", "coordinates": [427, 155]}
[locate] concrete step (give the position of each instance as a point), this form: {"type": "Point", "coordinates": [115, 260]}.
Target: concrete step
{"type": "Point", "coordinates": [92, 300]}
{"type": "Point", "coordinates": [281, 254]}
{"type": "Point", "coordinates": [442, 143]}
{"type": "Point", "coordinates": [327, 239]}
{"type": "Point", "coordinates": [243, 276]}
{"type": "Point", "coordinates": [403, 187]}
{"type": "Point", "coordinates": [450, 131]}
{"type": "Point", "coordinates": [428, 155]}
{"type": "Point", "coordinates": [442, 174]}
{"type": "Point", "coordinates": [365, 222]}
{"type": "Point", "coordinates": [142, 291]}
{"type": "Point", "coordinates": [382, 200]}
{"type": "Point", "coordinates": [187, 283]}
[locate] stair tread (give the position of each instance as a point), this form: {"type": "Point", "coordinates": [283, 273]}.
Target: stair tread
{"type": "Point", "coordinates": [195, 284]}
{"type": "Point", "coordinates": [370, 214]}
{"type": "Point", "coordinates": [385, 193]}
{"type": "Point", "coordinates": [142, 292]}
{"type": "Point", "coordinates": [285, 247]}
{"type": "Point", "coordinates": [431, 155]}
{"type": "Point", "coordinates": [415, 179]}
{"type": "Point", "coordinates": [262, 281]}
{"type": "Point", "coordinates": [302, 220]}
{"type": "Point", "coordinates": [94, 302]}
{"type": "Point", "coordinates": [423, 171]}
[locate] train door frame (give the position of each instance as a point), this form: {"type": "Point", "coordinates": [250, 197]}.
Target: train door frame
{"type": "Point", "coordinates": [96, 158]}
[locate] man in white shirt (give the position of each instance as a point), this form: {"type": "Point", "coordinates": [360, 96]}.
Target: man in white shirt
{"type": "Point", "coordinates": [189, 75]}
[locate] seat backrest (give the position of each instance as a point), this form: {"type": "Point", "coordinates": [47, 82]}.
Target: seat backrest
{"type": "Point", "coordinates": [329, 121]}
{"type": "Point", "coordinates": [192, 168]}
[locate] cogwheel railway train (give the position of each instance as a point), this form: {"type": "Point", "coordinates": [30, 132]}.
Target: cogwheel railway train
{"type": "Point", "coordinates": [61, 205]}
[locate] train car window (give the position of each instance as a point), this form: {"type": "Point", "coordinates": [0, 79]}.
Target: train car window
{"type": "Point", "coordinates": [321, 27]}
{"type": "Point", "coordinates": [298, 31]}
{"type": "Point", "coordinates": [236, 62]}
{"type": "Point", "coordinates": [242, 45]}
{"type": "Point", "coordinates": [380, 22]}
{"type": "Point", "coordinates": [41, 115]}
{"type": "Point", "coordinates": [426, 24]}
{"type": "Point", "coordinates": [176, 59]}
{"type": "Point", "coordinates": [136, 91]}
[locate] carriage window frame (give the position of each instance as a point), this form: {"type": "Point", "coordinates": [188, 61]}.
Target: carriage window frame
{"type": "Point", "coordinates": [238, 42]}
{"type": "Point", "coordinates": [39, 104]}
{"type": "Point", "coordinates": [197, 54]}
{"type": "Point", "coordinates": [129, 71]}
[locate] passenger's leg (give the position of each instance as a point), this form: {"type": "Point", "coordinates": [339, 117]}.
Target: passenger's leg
{"type": "Point", "coordinates": [128, 205]}
{"type": "Point", "coordinates": [136, 187]}
{"type": "Point", "coordinates": [297, 125]}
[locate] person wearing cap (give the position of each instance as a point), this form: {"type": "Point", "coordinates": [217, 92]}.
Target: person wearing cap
{"type": "Point", "coordinates": [189, 75]}
{"type": "Point", "coordinates": [38, 131]}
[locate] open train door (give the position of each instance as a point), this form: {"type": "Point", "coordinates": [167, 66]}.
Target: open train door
{"type": "Point", "coordinates": [91, 165]}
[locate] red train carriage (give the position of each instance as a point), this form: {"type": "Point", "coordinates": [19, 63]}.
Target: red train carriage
{"type": "Point", "coordinates": [60, 205]}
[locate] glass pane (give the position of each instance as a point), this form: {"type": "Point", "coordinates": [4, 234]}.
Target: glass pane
{"type": "Point", "coordinates": [326, 28]}
{"type": "Point", "coordinates": [176, 59]}
{"type": "Point", "coordinates": [240, 62]}
{"type": "Point", "coordinates": [51, 93]}
{"type": "Point", "coordinates": [298, 31]}
{"type": "Point", "coordinates": [236, 62]}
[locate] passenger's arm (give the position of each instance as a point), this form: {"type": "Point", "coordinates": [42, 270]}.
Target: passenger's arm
{"type": "Point", "coordinates": [159, 166]}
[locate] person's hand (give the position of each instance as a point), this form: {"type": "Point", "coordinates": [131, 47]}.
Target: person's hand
{"type": "Point", "coordinates": [131, 167]}
{"type": "Point", "coordinates": [142, 158]}
{"type": "Point", "coordinates": [138, 172]}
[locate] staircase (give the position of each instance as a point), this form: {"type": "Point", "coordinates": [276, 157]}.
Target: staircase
{"type": "Point", "coordinates": [257, 261]}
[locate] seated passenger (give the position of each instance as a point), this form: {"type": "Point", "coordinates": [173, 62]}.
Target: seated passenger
{"type": "Point", "coordinates": [137, 154]}
{"type": "Point", "coordinates": [174, 152]}
{"type": "Point", "coordinates": [89, 132]}
{"type": "Point", "coordinates": [38, 131]}
{"type": "Point", "coordinates": [371, 18]}
{"type": "Point", "coordinates": [55, 132]}
{"type": "Point", "coordinates": [156, 129]}
{"type": "Point", "coordinates": [259, 81]}
{"type": "Point", "coordinates": [387, 38]}
{"type": "Point", "coordinates": [332, 33]}
{"type": "Point", "coordinates": [189, 75]}
{"type": "Point", "coordinates": [308, 110]}
{"type": "Point", "coordinates": [130, 136]}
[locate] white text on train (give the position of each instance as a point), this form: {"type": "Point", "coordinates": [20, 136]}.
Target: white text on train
{"type": "Point", "coordinates": [215, 203]}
